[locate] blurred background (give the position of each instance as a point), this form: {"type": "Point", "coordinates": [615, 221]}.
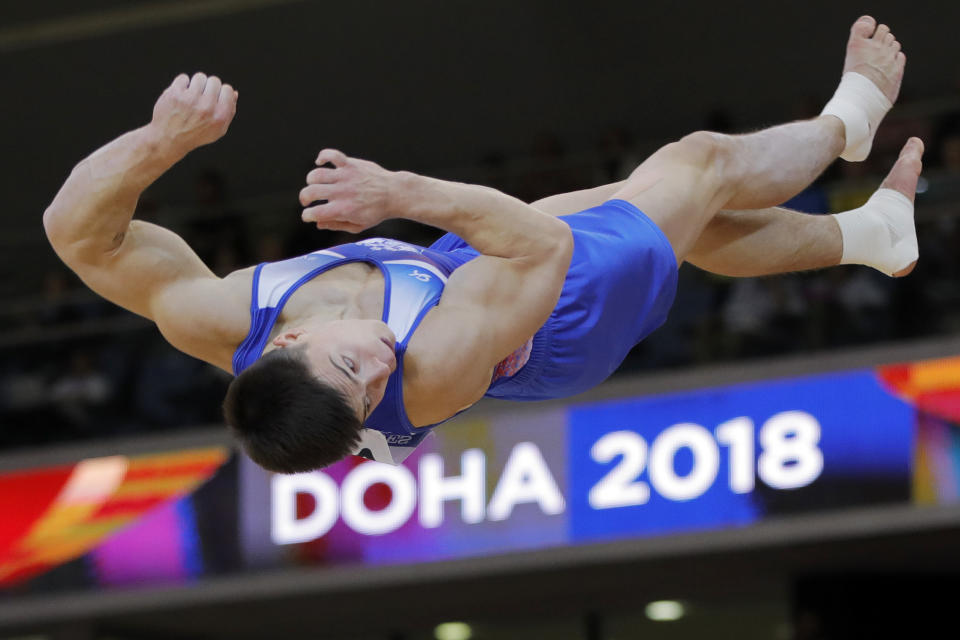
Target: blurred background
{"type": "Point", "coordinates": [818, 499]}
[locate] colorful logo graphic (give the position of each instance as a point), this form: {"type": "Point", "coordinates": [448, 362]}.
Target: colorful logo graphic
{"type": "Point", "coordinates": [933, 388]}
{"type": "Point", "coordinates": [51, 516]}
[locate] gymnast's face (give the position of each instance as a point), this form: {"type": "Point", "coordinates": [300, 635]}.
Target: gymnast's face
{"type": "Point", "coordinates": [356, 357]}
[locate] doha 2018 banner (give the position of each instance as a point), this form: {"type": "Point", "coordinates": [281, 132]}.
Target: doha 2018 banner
{"type": "Point", "coordinates": [535, 478]}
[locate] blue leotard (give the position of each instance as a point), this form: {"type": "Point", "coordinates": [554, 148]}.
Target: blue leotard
{"type": "Point", "coordinates": [619, 288]}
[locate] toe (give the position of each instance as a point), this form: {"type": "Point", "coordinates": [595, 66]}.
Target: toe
{"type": "Point", "coordinates": [911, 156]}
{"type": "Point", "coordinates": [881, 32]}
{"type": "Point", "coordinates": [888, 39]}
{"type": "Point", "coordinates": [914, 146]}
{"type": "Point", "coordinates": [905, 172]}
{"type": "Point", "coordinates": [863, 27]}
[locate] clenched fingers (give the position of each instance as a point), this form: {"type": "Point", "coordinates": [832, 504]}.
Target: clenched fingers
{"type": "Point", "coordinates": [211, 92]}
{"type": "Point", "coordinates": [315, 193]}
{"type": "Point", "coordinates": [227, 94]}
{"type": "Point", "coordinates": [227, 101]}
{"type": "Point", "coordinates": [197, 83]}
{"type": "Point", "coordinates": [334, 157]}
{"type": "Point", "coordinates": [322, 175]}
{"type": "Point", "coordinates": [181, 82]}
{"type": "Point", "coordinates": [326, 214]}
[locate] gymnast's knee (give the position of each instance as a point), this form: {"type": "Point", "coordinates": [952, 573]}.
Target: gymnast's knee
{"type": "Point", "coordinates": [704, 150]}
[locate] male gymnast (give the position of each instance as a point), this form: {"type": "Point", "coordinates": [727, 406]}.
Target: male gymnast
{"type": "Point", "coordinates": [363, 348]}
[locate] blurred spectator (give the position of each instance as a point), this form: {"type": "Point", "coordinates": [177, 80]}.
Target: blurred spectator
{"type": "Point", "coordinates": [950, 152]}
{"type": "Point", "coordinates": [864, 299]}
{"type": "Point", "coordinates": [22, 390]}
{"type": "Point", "coordinates": [56, 309]}
{"type": "Point", "coordinates": [173, 389]}
{"type": "Point", "coordinates": [23, 401]}
{"type": "Point", "coordinates": [760, 315]}
{"type": "Point", "coordinates": [80, 393]}
{"type": "Point", "coordinates": [944, 181]}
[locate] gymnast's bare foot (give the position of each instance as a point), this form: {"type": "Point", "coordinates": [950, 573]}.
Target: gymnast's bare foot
{"type": "Point", "coordinates": [874, 52]}
{"type": "Point", "coordinates": [882, 234]}
{"type": "Point", "coordinates": [903, 178]}
{"type": "Point", "coordinates": [905, 173]}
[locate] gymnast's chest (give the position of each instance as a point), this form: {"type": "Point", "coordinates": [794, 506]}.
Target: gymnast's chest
{"type": "Point", "coordinates": [354, 290]}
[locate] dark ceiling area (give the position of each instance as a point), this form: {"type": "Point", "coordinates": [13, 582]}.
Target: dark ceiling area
{"type": "Point", "coordinates": [18, 14]}
{"type": "Point", "coordinates": [427, 86]}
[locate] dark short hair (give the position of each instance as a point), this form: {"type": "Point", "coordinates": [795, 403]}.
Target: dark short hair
{"type": "Point", "coordinates": [286, 419]}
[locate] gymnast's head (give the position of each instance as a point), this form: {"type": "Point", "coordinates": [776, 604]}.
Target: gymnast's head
{"type": "Point", "coordinates": [302, 404]}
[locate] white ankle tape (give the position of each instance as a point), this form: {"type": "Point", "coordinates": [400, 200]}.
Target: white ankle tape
{"type": "Point", "coordinates": [880, 234]}
{"type": "Point", "coordinates": [861, 106]}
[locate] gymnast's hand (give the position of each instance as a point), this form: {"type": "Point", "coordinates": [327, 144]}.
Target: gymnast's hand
{"type": "Point", "coordinates": [347, 194]}
{"type": "Point", "coordinates": [193, 112]}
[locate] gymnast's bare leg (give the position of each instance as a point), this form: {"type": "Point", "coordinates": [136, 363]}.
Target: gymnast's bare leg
{"type": "Point", "coordinates": [776, 240]}
{"type": "Point", "coordinates": [758, 170]}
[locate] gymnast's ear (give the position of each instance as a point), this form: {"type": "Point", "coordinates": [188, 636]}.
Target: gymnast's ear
{"type": "Point", "coordinates": [288, 338]}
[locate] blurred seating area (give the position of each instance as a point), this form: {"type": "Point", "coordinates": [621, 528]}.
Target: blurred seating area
{"type": "Point", "coordinates": [75, 366]}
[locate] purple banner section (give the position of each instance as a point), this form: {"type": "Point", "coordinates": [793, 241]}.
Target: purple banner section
{"type": "Point", "coordinates": [161, 548]}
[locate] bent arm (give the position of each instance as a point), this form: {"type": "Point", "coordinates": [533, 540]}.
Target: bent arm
{"type": "Point", "coordinates": [89, 218]}
{"type": "Point", "coordinates": [499, 300]}
{"type": "Point", "coordinates": [526, 253]}
{"type": "Point", "coordinates": [492, 222]}
{"type": "Point", "coordinates": [354, 194]}
{"type": "Point", "coordinates": [490, 306]}
{"type": "Point", "coordinates": [137, 265]}
{"type": "Point", "coordinates": [512, 288]}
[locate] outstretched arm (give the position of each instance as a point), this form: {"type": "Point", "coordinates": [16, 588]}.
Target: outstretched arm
{"type": "Point", "coordinates": [491, 305]}
{"type": "Point", "coordinates": [140, 266]}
